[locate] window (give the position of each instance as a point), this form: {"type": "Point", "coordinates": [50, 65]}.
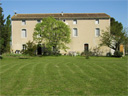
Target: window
{"type": "Point", "coordinates": [64, 20]}
{"type": "Point", "coordinates": [97, 32]}
{"type": "Point", "coordinates": [24, 33]}
{"type": "Point", "coordinates": [97, 21]}
{"type": "Point", "coordinates": [38, 21]}
{"type": "Point", "coordinates": [23, 22]}
{"type": "Point", "coordinates": [24, 47]}
{"type": "Point", "coordinates": [74, 21]}
{"type": "Point", "coordinates": [75, 32]}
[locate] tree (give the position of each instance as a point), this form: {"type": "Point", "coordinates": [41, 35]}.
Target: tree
{"type": "Point", "coordinates": [115, 27]}
{"type": "Point", "coordinates": [113, 36]}
{"type": "Point", "coordinates": [2, 20]}
{"type": "Point", "coordinates": [5, 33]}
{"type": "Point", "coordinates": [53, 33]}
{"type": "Point", "coordinates": [30, 48]}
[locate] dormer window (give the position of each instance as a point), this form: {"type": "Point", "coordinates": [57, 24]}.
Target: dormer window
{"type": "Point", "coordinates": [23, 22]}
{"type": "Point", "coordinates": [38, 21]}
{"type": "Point", "coordinates": [64, 20]}
{"type": "Point", "coordinates": [97, 21]}
{"type": "Point", "coordinates": [74, 21]}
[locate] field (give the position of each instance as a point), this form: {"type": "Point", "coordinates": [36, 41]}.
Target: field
{"type": "Point", "coordinates": [63, 75]}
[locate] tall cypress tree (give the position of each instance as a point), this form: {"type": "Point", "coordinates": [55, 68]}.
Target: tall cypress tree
{"type": "Point", "coordinates": [2, 20]}
{"type": "Point", "coordinates": [5, 32]}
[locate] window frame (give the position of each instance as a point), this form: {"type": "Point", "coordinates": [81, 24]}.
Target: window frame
{"type": "Point", "coordinates": [75, 30]}
{"type": "Point", "coordinates": [23, 46]}
{"type": "Point", "coordinates": [25, 34]}
{"type": "Point", "coordinates": [97, 30]}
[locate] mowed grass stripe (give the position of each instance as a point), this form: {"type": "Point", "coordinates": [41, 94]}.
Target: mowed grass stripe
{"type": "Point", "coordinates": [15, 79]}
{"type": "Point", "coordinates": [75, 80]}
{"type": "Point", "coordinates": [113, 69]}
{"type": "Point", "coordinates": [37, 73]}
{"type": "Point", "coordinates": [106, 78]}
{"type": "Point", "coordinates": [39, 77]}
{"type": "Point", "coordinates": [29, 81]}
{"type": "Point", "coordinates": [21, 79]}
{"type": "Point", "coordinates": [10, 65]}
{"type": "Point", "coordinates": [65, 76]}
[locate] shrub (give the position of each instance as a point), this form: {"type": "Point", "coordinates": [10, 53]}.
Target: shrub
{"type": "Point", "coordinates": [30, 49]}
{"type": "Point", "coordinates": [1, 57]}
{"type": "Point", "coordinates": [87, 54]}
{"type": "Point", "coordinates": [82, 53]}
{"type": "Point", "coordinates": [72, 53]}
{"type": "Point", "coordinates": [96, 51]}
{"type": "Point", "coordinates": [109, 54]}
{"type": "Point", "coordinates": [118, 54]}
{"type": "Point", "coordinates": [78, 53]}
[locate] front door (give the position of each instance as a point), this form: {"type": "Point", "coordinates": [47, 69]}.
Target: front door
{"type": "Point", "coordinates": [86, 47]}
{"type": "Point", "coordinates": [39, 50]}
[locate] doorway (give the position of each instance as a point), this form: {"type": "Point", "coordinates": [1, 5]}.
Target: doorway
{"type": "Point", "coordinates": [39, 49]}
{"type": "Point", "coordinates": [86, 47]}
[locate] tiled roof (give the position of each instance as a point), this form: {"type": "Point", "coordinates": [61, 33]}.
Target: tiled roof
{"type": "Point", "coordinates": [59, 15]}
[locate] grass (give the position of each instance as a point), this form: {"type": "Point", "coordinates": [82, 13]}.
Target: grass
{"type": "Point", "coordinates": [63, 76]}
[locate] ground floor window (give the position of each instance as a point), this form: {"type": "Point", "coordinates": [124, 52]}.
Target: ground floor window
{"type": "Point", "coordinates": [24, 47]}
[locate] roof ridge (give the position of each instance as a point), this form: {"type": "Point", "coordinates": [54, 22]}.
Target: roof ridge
{"type": "Point", "coordinates": [57, 13]}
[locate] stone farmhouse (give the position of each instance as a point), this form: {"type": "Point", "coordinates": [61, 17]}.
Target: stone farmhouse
{"type": "Point", "coordinates": [86, 29]}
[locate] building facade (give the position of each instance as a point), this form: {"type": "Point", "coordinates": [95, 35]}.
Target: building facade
{"type": "Point", "coordinates": [86, 29]}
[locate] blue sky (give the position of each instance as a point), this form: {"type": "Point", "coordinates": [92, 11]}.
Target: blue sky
{"type": "Point", "coordinates": [115, 8]}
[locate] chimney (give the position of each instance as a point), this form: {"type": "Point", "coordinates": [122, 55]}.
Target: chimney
{"type": "Point", "coordinates": [15, 13]}
{"type": "Point", "coordinates": [62, 13]}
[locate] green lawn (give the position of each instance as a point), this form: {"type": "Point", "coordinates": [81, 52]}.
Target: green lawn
{"type": "Point", "coordinates": [37, 76]}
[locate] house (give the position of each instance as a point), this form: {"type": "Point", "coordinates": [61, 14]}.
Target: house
{"type": "Point", "coordinates": [86, 29]}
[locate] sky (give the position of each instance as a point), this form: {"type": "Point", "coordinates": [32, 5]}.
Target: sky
{"type": "Point", "coordinates": [115, 8]}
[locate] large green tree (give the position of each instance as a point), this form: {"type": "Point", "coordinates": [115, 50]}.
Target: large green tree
{"type": "Point", "coordinates": [2, 20]}
{"type": "Point", "coordinates": [52, 33]}
{"type": "Point", "coordinates": [5, 32]}
{"type": "Point", "coordinates": [114, 35]}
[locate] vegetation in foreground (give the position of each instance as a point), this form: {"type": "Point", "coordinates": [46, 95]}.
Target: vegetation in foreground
{"type": "Point", "coordinates": [63, 75]}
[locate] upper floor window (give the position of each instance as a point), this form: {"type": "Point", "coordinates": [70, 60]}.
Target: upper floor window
{"type": "Point", "coordinates": [23, 22]}
{"type": "Point", "coordinates": [97, 21]}
{"type": "Point", "coordinates": [97, 32]}
{"type": "Point", "coordinates": [74, 21]}
{"type": "Point", "coordinates": [38, 21]}
{"type": "Point", "coordinates": [24, 33]}
{"type": "Point", "coordinates": [75, 32]}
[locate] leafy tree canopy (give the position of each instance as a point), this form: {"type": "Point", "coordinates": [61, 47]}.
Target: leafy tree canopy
{"type": "Point", "coordinates": [53, 33]}
{"type": "Point", "coordinates": [114, 36]}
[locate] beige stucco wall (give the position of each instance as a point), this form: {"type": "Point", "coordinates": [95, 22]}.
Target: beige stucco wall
{"type": "Point", "coordinates": [85, 27]}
